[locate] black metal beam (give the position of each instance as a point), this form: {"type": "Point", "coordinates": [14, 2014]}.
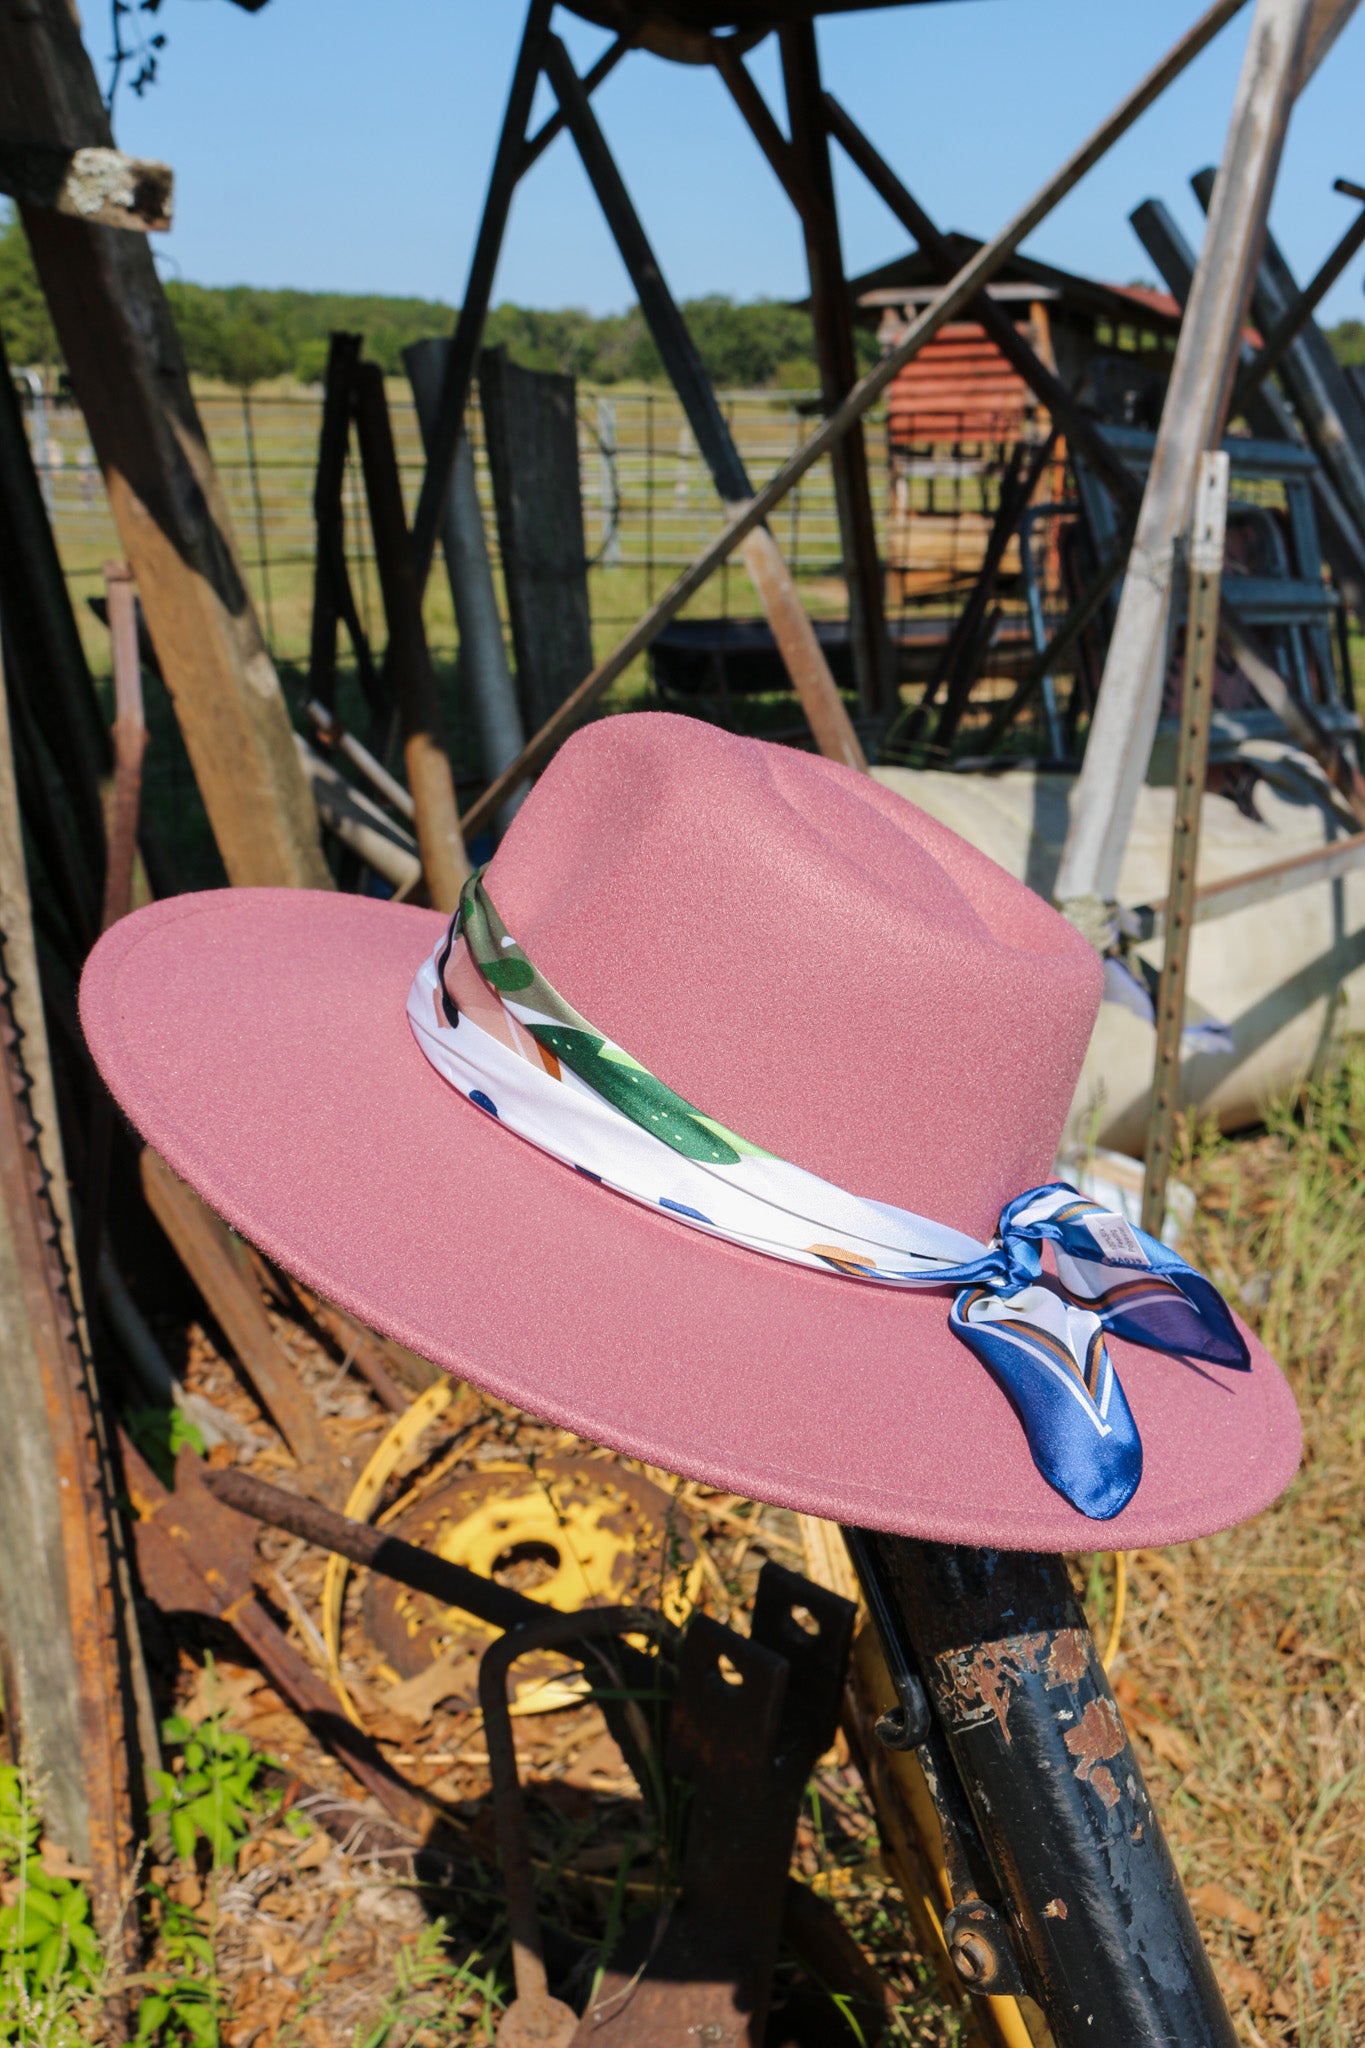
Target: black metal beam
{"type": "Point", "coordinates": [508, 165]}
{"type": "Point", "coordinates": [836, 355]}
{"type": "Point", "coordinates": [662, 317]}
{"type": "Point", "coordinates": [1302, 310]}
{"type": "Point", "coordinates": [1087, 1901]}
{"type": "Point", "coordinates": [554, 125]}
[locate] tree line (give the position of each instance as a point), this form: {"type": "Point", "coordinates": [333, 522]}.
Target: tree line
{"type": "Point", "coordinates": [245, 335]}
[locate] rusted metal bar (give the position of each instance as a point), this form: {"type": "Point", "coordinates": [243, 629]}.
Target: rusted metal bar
{"type": "Point", "coordinates": [1261, 885]}
{"type": "Point", "coordinates": [67, 1673]}
{"type": "Point", "coordinates": [1077, 1890]}
{"type": "Point", "coordinates": [101, 186]}
{"type": "Point", "coordinates": [197, 1557]}
{"type": "Point", "coordinates": [407, 663]}
{"type": "Point", "coordinates": [792, 630]}
{"type": "Point", "coordinates": [836, 356]}
{"type": "Point", "coordinates": [947, 305]}
{"type": "Point", "coordinates": [452, 1584]}
{"type": "Point", "coordinates": [534, 2017]}
{"type": "Point", "coordinates": [1208, 528]}
{"type": "Point", "coordinates": [750, 1717]}
{"type": "Point", "coordinates": [206, 1250]}
{"type": "Point", "coordinates": [446, 428]}
{"type": "Point", "coordinates": [130, 743]}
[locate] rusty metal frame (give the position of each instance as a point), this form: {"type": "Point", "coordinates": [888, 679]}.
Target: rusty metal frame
{"type": "Point", "coordinates": [64, 1504]}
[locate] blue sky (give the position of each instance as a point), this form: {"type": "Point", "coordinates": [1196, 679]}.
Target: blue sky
{"type": "Point", "coordinates": [339, 144]}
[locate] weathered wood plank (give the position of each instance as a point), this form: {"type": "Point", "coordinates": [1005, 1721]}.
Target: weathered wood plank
{"type": "Point", "coordinates": [531, 425]}
{"type": "Point", "coordinates": [129, 374]}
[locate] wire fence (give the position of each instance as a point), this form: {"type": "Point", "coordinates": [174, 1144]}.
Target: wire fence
{"type": "Point", "coordinates": [649, 504]}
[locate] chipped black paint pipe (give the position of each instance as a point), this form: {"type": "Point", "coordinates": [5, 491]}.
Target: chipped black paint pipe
{"type": "Point", "coordinates": [1078, 1865]}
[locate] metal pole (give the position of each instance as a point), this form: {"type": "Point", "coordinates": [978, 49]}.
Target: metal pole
{"type": "Point", "coordinates": [483, 651]}
{"type": "Point", "coordinates": [957, 294]}
{"type": "Point", "coordinates": [1065, 1880]}
{"type": "Point", "coordinates": [1207, 531]}
{"type": "Point", "coordinates": [1120, 741]}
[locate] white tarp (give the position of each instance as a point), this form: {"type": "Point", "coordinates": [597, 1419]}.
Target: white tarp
{"type": "Point", "coordinates": [1284, 976]}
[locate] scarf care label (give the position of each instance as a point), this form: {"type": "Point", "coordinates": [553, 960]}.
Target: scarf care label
{"type": "Point", "coordinates": [1117, 1239]}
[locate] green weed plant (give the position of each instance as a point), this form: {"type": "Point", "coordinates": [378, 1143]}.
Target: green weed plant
{"type": "Point", "coordinates": [52, 1970]}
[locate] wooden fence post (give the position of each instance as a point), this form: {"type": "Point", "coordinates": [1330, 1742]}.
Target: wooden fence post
{"type": "Point", "coordinates": [530, 424]}
{"type": "Point", "coordinates": [128, 371]}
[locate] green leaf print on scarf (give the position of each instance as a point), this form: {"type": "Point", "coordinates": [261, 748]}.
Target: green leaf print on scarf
{"type": "Point", "coordinates": [636, 1094]}
{"type": "Point", "coordinates": [508, 974]}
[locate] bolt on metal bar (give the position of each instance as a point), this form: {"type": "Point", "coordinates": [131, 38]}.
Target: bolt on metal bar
{"type": "Point", "coordinates": [1207, 533]}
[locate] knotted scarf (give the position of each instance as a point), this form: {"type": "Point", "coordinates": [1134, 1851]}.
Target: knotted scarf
{"type": "Point", "coordinates": [493, 1027]}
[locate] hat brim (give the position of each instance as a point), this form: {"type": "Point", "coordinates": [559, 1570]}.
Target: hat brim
{"type": "Point", "coordinates": [258, 1039]}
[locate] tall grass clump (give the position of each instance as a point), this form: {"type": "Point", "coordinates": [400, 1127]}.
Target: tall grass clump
{"type": "Point", "coordinates": [1243, 1675]}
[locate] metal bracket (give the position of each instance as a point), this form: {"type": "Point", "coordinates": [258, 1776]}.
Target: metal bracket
{"type": "Point", "coordinates": [978, 1941]}
{"type": "Point", "coordinates": [750, 1718]}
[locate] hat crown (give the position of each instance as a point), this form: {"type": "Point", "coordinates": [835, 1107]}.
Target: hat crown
{"type": "Point", "coordinates": [807, 957]}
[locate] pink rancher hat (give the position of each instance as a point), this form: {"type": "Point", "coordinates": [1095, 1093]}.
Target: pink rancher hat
{"type": "Point", "coordinates": [814, 963]}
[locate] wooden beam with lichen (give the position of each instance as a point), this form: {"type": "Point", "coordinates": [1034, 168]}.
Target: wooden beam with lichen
{"type": "Point", "coordinates": [99, 185]}
{"type": "Point", "coordinates": [128, 371]}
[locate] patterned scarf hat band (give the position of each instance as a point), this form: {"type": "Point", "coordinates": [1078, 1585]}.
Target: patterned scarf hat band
{"type": "Point", "coordinates": [495, 1029]}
